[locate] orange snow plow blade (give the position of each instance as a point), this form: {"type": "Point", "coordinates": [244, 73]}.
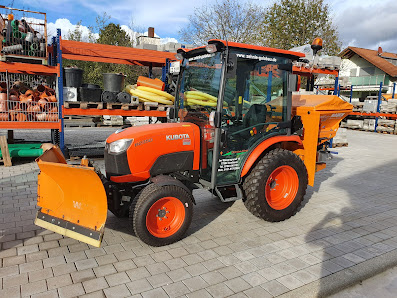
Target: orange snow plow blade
{"type": "Point", "coordinates": [72, 199]}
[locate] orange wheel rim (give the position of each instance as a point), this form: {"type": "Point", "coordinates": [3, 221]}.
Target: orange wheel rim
{"type": "Point", "coordinates": [165, 217]}
{"type": "Point", "coordinates": [281, 187]}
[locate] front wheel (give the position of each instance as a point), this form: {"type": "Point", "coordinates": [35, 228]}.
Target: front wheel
{"type": "Point", "coordinates": [162, 214]}
{"type": "Point", "coordinates": [276, 186]}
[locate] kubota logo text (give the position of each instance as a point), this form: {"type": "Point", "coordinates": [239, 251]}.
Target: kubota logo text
{"type": "Point", "coordinates": [177, 137]}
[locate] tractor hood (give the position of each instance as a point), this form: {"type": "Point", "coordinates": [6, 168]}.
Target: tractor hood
{"type": "Point", "coordinates": [151, 147]}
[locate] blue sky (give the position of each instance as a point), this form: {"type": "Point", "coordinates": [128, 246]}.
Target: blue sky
{"type": "Point", "coordinates": [362, 23]}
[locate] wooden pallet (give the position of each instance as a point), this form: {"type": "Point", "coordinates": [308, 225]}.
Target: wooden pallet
{"type": "Point", "coordinates": [336, 145]}
{"type": "Point", "coordinates": [24, 59]}
{"type": "Point", "coordinates": [84, 105]}
{"type": "Point", "coordinates": [386, 132]}
{"type": "Point", "coordinates": [122, 106]}
{"type": "Point", "coordinates": [142, 106]}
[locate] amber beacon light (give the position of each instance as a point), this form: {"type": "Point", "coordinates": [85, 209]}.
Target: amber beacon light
{"type": "Point", "coordinates": [317, 45]}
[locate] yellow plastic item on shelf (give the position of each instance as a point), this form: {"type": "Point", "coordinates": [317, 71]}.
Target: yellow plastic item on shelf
{"type": "Point", "coordinates": [198, 97]}
{"type": "Point", "coordinates": [202, 94]}
{"type": "Point", "coordinates": [200, 102]}
{"type": "Point", "coordinates": [156, 92]}
{"type": "Point", "coordinates": [150, 96]}
{"type": "Point", "coordinates": [128, 89]}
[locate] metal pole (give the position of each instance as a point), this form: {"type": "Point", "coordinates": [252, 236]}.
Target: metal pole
{"type": "Point", "coordinates": [336, 84]}
{"type": "Point", "coordinates": [150, 70]}
{"type": "Point", "coordinates": [351, 93]}
{"type": "Point", "coordinates": [379, 101]}
{"type": "Point", "coordinates": [269, 87]}
{"type": "Point", "coordinates": [217, 137]}
{"type": "Point", "coordinates": [164, 71]}
{"type": "Point", "coordinates": [394, 90]}
{"type": "Point", "coordinates": [339, 90]}
{"type": "Point", "coordinates": [60, 92]}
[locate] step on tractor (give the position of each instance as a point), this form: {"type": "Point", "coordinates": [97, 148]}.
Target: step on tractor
{"type": "Point", "coordinates": [236, 129]}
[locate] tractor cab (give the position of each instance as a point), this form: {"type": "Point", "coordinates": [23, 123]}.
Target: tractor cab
{"type": "Point", "coordinates": [239, 96]}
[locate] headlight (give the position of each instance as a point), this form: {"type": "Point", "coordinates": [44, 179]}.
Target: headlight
{"type": "Point", "coordinates": [120, 145]}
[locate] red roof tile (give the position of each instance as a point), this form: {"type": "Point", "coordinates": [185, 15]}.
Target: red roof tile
{"type": "Point", "coordinates": [372, 57]}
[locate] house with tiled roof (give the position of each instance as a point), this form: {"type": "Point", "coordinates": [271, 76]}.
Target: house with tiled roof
{"type": "Point", "coordinates": [365, 69]}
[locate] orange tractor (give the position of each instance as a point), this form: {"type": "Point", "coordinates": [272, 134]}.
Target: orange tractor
{"type": "Point", "coordinates": [236, 129]}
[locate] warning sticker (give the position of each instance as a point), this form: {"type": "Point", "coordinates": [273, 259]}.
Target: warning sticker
{"type": "Point", "coordinates": [231, 164]}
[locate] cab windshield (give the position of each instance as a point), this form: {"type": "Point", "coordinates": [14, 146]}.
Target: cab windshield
{"type": "Point", "coordinates": [198, 90]}
{"type": "Point", "coordinates": [199, 83]}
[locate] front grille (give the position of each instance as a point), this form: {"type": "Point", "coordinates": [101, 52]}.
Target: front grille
{"type": "Point", "coordinates": [116, 164]}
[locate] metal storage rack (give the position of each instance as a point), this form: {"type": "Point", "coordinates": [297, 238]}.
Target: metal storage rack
{"type": "Point", "coordinates": [64, 49]}
{"type": "Point", "coordinates": [376, 114]}
{"type": "Point", "coordinates": [25, 32]}
{"type": "Point", "coordinates": [74, 50]}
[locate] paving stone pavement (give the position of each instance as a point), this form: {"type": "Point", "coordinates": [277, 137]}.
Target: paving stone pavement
{"type": "Point", "coordinates": [349, 218]}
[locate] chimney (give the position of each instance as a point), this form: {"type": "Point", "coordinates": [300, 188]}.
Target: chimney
{"type": "Point", "coordinates": [151, 32]}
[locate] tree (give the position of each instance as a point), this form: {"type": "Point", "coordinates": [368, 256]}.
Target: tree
{"type": "Point", "coordinates": [230, 19]}
{"type": "Point", "coordinates": [112, 34]}
{"type": "Point", "coordinates": [292, 23]}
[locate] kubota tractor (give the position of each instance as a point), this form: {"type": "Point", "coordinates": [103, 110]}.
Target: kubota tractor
{"type": "Point", "coordinates": [235, 129]}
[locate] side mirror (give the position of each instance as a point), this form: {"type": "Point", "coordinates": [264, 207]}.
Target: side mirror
{"type": "Point", "coordinates": [215, 119]}
{"type": "Point", "coordinates": [231, 66]}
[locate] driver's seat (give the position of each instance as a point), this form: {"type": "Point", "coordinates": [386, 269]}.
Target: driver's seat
{"type": "Point", "coordinates": [256, 114]}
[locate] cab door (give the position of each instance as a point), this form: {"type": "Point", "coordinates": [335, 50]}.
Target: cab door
{"type": "Point", "coordinates": [255, 102]}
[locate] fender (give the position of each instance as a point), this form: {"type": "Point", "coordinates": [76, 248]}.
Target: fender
{"type": "Point", "coordinates": [162, 180]}
{"type": "Point", "coordinates": [254, 155]}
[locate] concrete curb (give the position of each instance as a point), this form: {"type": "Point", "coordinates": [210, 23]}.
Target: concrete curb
{"type": "Point", "coordinates": [338, 281]}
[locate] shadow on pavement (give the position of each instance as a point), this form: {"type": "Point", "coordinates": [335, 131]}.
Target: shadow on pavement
{"type": "Point", "coordinates": [359, 231]}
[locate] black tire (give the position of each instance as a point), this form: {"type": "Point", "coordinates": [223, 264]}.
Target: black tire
{"type": "Point", "coordinates": [255, 184]}
{"type": "Point", "coordinates": [150, 196]}
{"type": "Point", "coordinates": [132, 209]}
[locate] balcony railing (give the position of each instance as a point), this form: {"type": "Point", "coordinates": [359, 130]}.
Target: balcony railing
{"type": "Point", "coordinates": [367, 80]}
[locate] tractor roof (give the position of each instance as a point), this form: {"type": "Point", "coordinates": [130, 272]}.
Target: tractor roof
{"type": "Point", "coordinates": [244, 46]}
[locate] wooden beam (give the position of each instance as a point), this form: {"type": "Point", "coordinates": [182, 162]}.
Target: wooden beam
{"type": "Point", "coordinates": [5, 152]}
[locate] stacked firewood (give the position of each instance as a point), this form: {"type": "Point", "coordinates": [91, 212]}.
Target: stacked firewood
{"type": "Point", "coordinates": [21, 103]}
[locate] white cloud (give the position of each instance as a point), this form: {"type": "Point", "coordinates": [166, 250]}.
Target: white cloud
{"type": "Point", "coordinates": [167, 40]}
{"type": "Point", "coordinates": [66, 27]}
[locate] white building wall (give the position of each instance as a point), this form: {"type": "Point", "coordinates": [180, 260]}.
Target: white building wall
{"type": "Point", "coordinates": [356, 62]}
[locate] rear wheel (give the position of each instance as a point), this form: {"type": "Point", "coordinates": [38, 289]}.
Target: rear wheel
{"type": "Point", "coordinates": [276, 186]}
{"type": "Point", "coordinates": [162, 214]}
